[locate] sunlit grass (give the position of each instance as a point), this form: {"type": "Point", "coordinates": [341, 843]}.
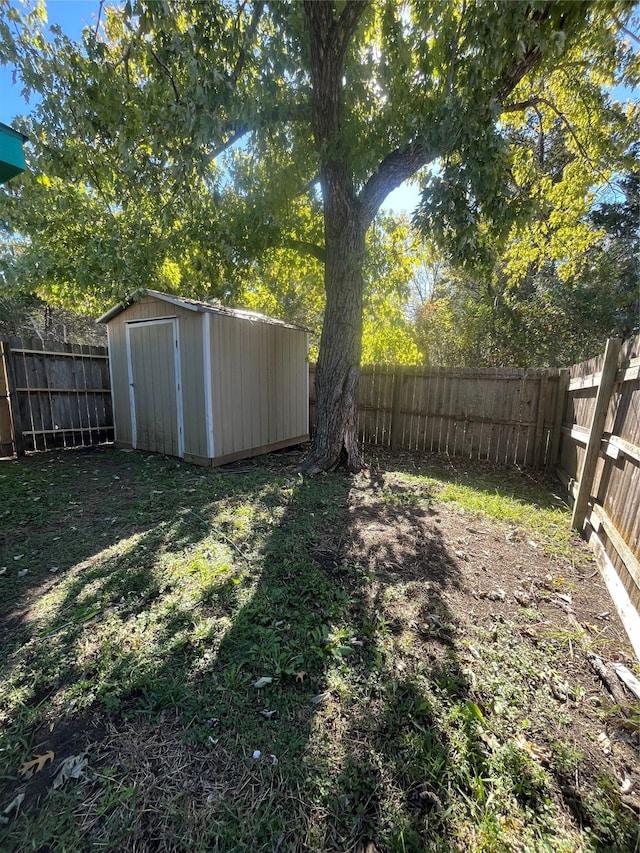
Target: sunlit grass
{"type": "Point", "coordinates": [546, 523]}
{"type": "Point", "coordinates": [178, 589]}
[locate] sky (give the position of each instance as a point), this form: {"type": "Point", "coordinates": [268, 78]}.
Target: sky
{"type": "Point", "coordinates": [72, 16]}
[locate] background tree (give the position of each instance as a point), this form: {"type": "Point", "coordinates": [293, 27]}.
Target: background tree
{"type": "Point", "coordinates": [563, 282]}
{"type": "Point", "coordinates": [289, 286]}
{"type": "Point", "coordinates": [200, 132]}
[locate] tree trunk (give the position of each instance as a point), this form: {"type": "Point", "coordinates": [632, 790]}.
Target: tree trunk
{"type": "Point", "coordinates": [335, 440]}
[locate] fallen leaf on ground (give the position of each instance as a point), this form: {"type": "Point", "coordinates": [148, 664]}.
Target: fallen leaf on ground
{"type": "Point", "coordinates": [626, 786]}
{"type": "Point", "coordinates": [36, 765]}
{"type": "Point", "coordinates": [489, 739]}
{"type": "Point", "coordinates": [472, 649]}
{"type": "Point", "coordinates": [539, 753]}
{"type": "Point", "coordinates": [262, 682]}
{"type": "Point", "coordinates": [320, 698]}
{"type": "Point", "coordinates": [494, 595]}
{"type": "Point", "coordinates": [14, 806]}
{"type": "Point", "coordinates": [561, 690]}
{"type": "Point", "coordinates": [267, 714]}
{"type": "Point", "coordinates": [72, 767]}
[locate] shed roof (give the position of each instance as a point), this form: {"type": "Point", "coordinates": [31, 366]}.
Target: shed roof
{"type": "Point", "coordinates": [194, 305]}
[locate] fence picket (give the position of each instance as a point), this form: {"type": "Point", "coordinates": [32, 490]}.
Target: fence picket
{"type": "Point", "coordinates": [599, 460]}
{"type": "Point", "coordinates": [59, 394]}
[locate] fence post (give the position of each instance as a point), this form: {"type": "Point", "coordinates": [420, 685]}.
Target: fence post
{"type": "Point", "coordinates": [543, 383]}
{"type": "Point", "coordinates": [14, 402]}
{"type": "Point", "coordinates": [585, 481]}
{"type": "Point", "coordinates": [396, 422]}
{"type": "Point", "coordinates": [558, 419]}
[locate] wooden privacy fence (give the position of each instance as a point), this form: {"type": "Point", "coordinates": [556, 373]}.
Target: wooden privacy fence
{"type": "Point", "coordinates": [507, 416]}
{"type": "Point", "coordinates": [599, 462]}
{"type": "Point", "coordinates": [53, 395]}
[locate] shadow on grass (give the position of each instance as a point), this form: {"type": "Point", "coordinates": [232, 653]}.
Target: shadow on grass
{"type": "Point", "coordinates": [120, 634]}
{"type": "Point", "coordinates": [261, 662]}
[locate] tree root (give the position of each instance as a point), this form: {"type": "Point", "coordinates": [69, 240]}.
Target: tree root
{"type": "Point", "coordinates": [315, 463]}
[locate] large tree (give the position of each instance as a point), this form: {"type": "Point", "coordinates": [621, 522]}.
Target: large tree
{"type": "Point", "coordinates": [266, 117]}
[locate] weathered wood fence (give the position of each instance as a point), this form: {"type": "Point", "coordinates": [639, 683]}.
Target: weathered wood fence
{"type": "Point", "coordinates": [599, 462]}
{"type": "Point", "coordinates": [53, 395]}
{"type": "Point", "coordinates": [507, 416]}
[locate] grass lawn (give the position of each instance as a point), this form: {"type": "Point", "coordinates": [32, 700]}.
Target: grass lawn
{"type": "Point", "coordinates": [246, 660]}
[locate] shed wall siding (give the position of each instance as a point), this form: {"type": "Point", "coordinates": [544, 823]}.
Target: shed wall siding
{"type": "Point", "coordinates": [192, 369]}
{"type": "Point", "coordinates": [259, 375]}
{"type": "Point", "coordinates": [193, 398]}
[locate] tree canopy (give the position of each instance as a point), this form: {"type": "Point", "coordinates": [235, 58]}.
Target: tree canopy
{"type": "Point", "coordinates": [182, 144]}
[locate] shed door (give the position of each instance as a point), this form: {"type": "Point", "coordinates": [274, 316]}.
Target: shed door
{"type": "Point", "coordinates": [155, 386]}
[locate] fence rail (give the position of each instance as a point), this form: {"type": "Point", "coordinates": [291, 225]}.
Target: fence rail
{"type": "Point", "coordinates": [599, 462]}
{"type": "Point", "coordinates": [53, 395]}
{"type": "Point", "coordinates": [507, 416]}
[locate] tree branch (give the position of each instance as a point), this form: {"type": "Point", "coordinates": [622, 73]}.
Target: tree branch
{"type": "Point", "coordinates": [397, 167]}
{"type": "Point", "coordinates": [242, 56]}
{"type": "Point", "coordinates": [625, 30]}
{"type": "Point", "coordinates": [219, 149]}
{"type": "Point", "coordinates": [535, 101]}
{"type": "Point", "coordinates": [454, 51]}
{"type": "Point", "coordinates": [519, 106]}
{"type": "Point", "coordinates": [279, 115]}
{"type": "Point", "coordinates": [307, 248]}
{"type": "Point", "coordinates": [168, 73]}
{"type": "Point", "coordinates": [95, 33]}
{"type": "Point", "coordinates": [310, 185]}
{"type": "Point", "coordinates": [510, 79]}
{"type": "Point", "coordinates": [344, 28]}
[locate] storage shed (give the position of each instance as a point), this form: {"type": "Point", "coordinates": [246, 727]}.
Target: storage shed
{"type": "Point", "coordinates": [205, 383]}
